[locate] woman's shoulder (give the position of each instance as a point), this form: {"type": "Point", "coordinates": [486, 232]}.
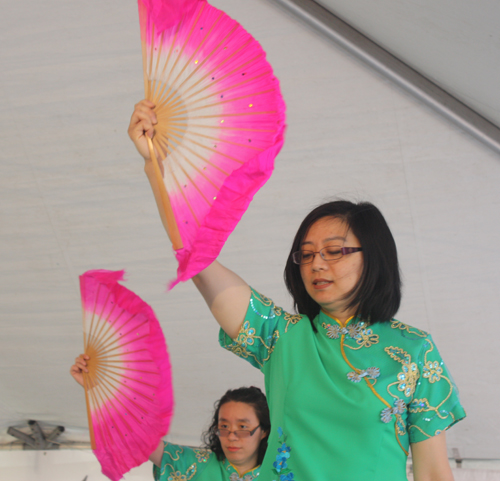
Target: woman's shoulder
{"type": "Point", "coordinates": [264, 308]}
{"type": "Point", "coordinates": [182, 462]}
{"type": "Point", "coordinates": [400, 329]}
{"type": "Point", "coordinates": [398, 337]}
{"type": "Point", "coordinates": [177, 451]}
{"type": "Point", "coordinates": [264, 325]}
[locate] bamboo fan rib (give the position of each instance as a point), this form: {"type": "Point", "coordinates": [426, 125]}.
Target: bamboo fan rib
{"type": "Point", "coordinates": [128, 388]}
{"type": "Point", "coordinates": [221, 120]}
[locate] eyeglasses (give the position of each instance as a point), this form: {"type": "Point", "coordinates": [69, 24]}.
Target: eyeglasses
{"type": "Point", "coordinates": [239, 433]}
{"type": "Point", "coordinates": [329, 253]}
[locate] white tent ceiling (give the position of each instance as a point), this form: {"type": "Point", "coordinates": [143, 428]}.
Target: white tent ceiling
{"type": "Point", "coordinates": [455, 44]}
{"type": "Point", "coordinates": [73, 197]}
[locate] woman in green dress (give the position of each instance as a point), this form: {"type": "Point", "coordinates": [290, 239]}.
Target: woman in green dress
{"type": "Point", "coordinates": [234, 444]}
{"type": "Point", "coordinates": [350, 389]}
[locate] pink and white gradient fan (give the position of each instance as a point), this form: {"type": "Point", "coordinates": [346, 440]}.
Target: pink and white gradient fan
{"type": "Point", "coordinates": [221, 121]}
{"type": "Point", "coordinates": [129, 387]}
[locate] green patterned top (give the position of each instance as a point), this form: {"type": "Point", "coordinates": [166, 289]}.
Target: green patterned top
{"type": "Point", "coordinates": [182, 463]}
{"type": "Point", "coordinates": [345, 401]}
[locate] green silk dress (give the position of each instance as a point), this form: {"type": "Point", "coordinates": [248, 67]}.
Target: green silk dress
{"type": "Point", "coordinates": [182, 463]}
{"type": "Point", "coordinates": [347, 400]}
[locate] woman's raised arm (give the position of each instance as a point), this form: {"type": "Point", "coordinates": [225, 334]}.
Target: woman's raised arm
{"type": "Point", "coordinates": [226, 294]}
{"type": "Point", "coordinates": [142, 125]}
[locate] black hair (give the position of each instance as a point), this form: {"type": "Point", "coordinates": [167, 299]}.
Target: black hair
{"type": "Point", "coordinates": [252, 396]}
{"type": "Point", "coordinates": [377, 295]}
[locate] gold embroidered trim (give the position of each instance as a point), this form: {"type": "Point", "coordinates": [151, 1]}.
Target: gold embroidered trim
{"type": "Point", "coordinates": [178, 476]}
{"type": "Point", "coordinates": [408, 377]}
{"type": "Point", "coordinates": [372, 388]}
{"type": "Point", "coordinates": [247, 336]}
{"type": "Point", "coordinates": [412, 330]}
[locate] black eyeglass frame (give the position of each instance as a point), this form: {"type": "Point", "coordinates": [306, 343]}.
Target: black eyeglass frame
{"type": "Point", "coordinates": [250, 433]}
{"type": "Point", "coordinates": [297, 255]}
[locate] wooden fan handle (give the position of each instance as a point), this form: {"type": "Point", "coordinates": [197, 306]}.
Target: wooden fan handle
{"type": "Point", "coordinates": [89, 415]}
{"type": "Point", "coordinates": [166, 207]}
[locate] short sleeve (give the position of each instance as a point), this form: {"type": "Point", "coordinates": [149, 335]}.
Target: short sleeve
{"type": "Point", "coordinates": [263, 325]}
{"type": "Point", "coordinates": [435, 406]}
{"type": "Point", "coordinates": [181, 462]}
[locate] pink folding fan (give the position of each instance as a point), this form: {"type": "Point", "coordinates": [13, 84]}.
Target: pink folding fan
{"type": "Point", "coordinates": [128, 388]}
{"type": "Point", "coordinates": [221, 121]}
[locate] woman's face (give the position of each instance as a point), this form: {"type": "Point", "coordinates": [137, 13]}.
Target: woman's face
{"type": "Point", "coordinates": [241, 452]}
{"type": "Point", "coordinates": [328, 282]}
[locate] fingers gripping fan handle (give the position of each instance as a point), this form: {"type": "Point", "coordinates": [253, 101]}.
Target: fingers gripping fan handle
{"type": "Point", "coordinates": [129, 387]}
{"type": "Point", "coordinates": [221, 122]}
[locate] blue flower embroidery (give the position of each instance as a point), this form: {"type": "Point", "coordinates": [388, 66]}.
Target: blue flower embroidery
{"type": "Point", "coordinates": [280, 465]}
{"type": "Point", "coordinates": [432, 371]}
{"type": "Point", "coordinates": [285, 450]}
{"type": "Point", "coordinates": [282, 456]}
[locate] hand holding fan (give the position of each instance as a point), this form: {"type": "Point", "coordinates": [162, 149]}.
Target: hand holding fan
{"type": "Point", "coordinates": [221, 120]}
{"type": "Point", "coordinates": [128, 388]}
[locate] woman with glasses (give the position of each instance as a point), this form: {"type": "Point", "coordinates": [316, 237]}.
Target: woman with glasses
{"type": "Point", "coordinates": [234, 444]}
{"type": "Point", "coordinates": [351, 389]}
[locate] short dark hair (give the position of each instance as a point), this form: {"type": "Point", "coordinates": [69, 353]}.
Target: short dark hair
{"type": "Point", "coordinates": [252, 396]}
{"type": "Point", "coordinates": [377, 295]}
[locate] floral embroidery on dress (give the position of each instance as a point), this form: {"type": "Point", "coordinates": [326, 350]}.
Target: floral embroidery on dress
{"type": "Point", "coordinates": [370, 373]}
{"type": "Point", "coordinates": [366, 338]}
{"type": "Point", "coordinates": [334, 331]}
{"type": "Point", "coordinates": [354, 330]}
{"type": "Point", "coordinates": [246, 337]}
{"type": "Point", "coordinates": [202, 455]}
{"type": "Point", "coordinates": [432, 371]}
{"type": "Point", "coordinates": [281, 464]}
{"type": "Point", "coordinates": [407, 379]}
{"type": "Point", "coordinates": [281, 458]}
{"type": "Point", "coordinates": [178, 476]}
{"type": "Point", "coordinates": [388, 412]}
{"type": "Point", "coordinates": [415, 380]}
